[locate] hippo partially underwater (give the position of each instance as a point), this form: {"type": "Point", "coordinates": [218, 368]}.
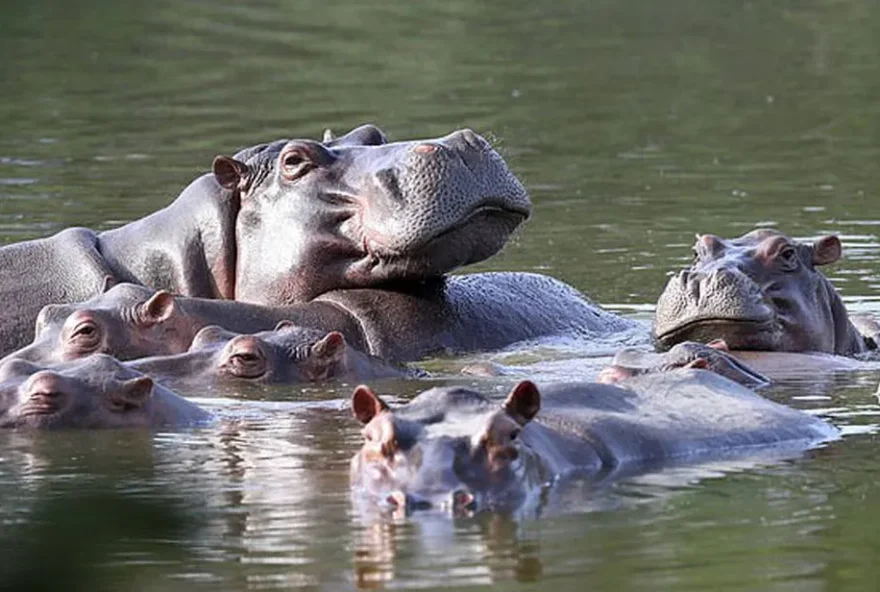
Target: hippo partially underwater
{"type": "Point", "coordinates": [95, 392]}
{"type": "Point", "coordinates": [285, 222]}
{"type": "Point", "coordinates": [760, 291]}
{"type": "Point", "coordinates": [453, 315]}
{"type": "Point", "coordinates": [453, 448]}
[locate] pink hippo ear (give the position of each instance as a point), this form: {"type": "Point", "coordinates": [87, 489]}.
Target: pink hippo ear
{"type": "Point", "coordinates": [231, 173]}
{"type": "Point", "coordinates": [284, 324]}
{"type": "Point", "coordinates": [827, 250]}
{"type": "Point", "coordinates": [365, 404]}
{"type": "Point", "coordinates": [109, 282]}
{"type": "Point", "coordinates": [157, 309]}
{"type": "Point", "coordinates": [132, 394]}
{"type": "Point", "coordinates": [523, 402]}
{"type": "Point", "coordinates": [331, 347]}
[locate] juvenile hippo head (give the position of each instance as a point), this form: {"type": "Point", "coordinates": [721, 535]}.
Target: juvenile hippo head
{"type": "Point", "coordinates": [96, 392]}
{"type": "Point", "coordinates": [127, 321]}
{"type": "Point", "coordinates": [358, 211]}
{"type": "Point", "coordinates": [289, 354]}
{"type": "Point", "coordinates": [449, 448]}
{"type": "Point", "coordinates": [761, 291]}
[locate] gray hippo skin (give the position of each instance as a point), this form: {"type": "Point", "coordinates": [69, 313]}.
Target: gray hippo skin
{"type": "Point", "coordinates": [454, 448]}
{"type": "Point", "coordinates": [761, 291]}
{"type": "Point", "coordinates": [95, 392]}
{"type": "Point", "coordinates": [284, 222]}
{"type": "Point", "coordinates": [457, 314]}
{"type": "Point", "coordinates": [287, 355]}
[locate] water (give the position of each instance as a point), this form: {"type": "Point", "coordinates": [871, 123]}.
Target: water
{"type": "Point", "coordinates": [635, 125]}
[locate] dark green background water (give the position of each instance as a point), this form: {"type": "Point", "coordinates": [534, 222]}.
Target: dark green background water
{"type": "Point", "coordinates": [634, 125]}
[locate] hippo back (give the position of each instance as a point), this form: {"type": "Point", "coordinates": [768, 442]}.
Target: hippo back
{"type": "Point", "coordinates": [680, 415]}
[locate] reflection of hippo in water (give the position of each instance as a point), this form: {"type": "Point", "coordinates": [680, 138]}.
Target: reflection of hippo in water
{"type": "Point", "coordinates": [284, 222]}
{"type": "Point", "coordinates": [96, 392]}
{"type": "Point", "coordinates": [288, 354]}
{"type": "Point", "coordinates": [454, 448]}
{"type": "Point", "coordinates": [761, 291]}
{"type": "Point", "coordinates": [457, 314]}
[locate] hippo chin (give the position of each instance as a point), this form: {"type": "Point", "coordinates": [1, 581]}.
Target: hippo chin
{"type": "Point", "coordinates": [455, 449]}
{"type": "Point", "coordinates": [284, 222]}
{"type": "Point", "coordinates": [761, 291]}
{"type": "Point", "coordinates": [96, 392]}
{"type": "Point", "coordinates": [289, 354]}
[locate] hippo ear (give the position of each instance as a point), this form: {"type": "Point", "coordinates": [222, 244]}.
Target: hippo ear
{"type": "Point", "coordinates": [365, 404]}
{"type": "Point", "coordinates": [133, 394]}
{"type": "Point", "coordinates": [284, 324]}
{"type": "Point", "coordinates": [523, 402]}
{"type": "Point", "coordinates": [109, 282]}
{"type": "Point", "coordinates": [331, 346]}
{"type": "Point", "coordinates": [827, 250]}
{"type": "Point", "coordinates": [231, 173]}
{"type": "Point", "coordinates": [157, 309]}
{"type": "Point", "coordinates": [328, 136]}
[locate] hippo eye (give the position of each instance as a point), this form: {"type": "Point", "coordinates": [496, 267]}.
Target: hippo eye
{"type": "Point", "coordinates": [295, 163]}
{"type": "Point", "coordinates": [788, 257]}
{"type": "Point", "coordinates": [85, 331]}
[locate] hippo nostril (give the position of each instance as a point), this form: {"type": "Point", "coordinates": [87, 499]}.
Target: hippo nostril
{"type": "Point", "coordinates": [425, 148]}
{"type": "Point", "coordinates": [462, 499]}
{"type": "Point", "coordinates": [397, 499]}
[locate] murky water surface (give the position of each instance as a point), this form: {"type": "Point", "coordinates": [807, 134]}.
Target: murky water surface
{"type": "Point", "coordinates": [634, 125]}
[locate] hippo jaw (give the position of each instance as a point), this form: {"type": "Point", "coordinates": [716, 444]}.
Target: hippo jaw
{"type": "Point", "coordinates": [358, 212]}
{"type": "Point", "coordinates": [740, 334]}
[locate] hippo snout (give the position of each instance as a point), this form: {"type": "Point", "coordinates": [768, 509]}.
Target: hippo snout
{"type": "Point", "coordinates": [43, 393]}
{"type": "Point", "coordinates": [458, 500]}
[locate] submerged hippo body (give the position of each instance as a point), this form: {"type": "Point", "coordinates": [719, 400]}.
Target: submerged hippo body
{"type": "Point", "coordinates": [95, 392]}
{"type": "Point", "coordinates": [454, 448]}
{"type": "Point", "coordinates": [346, 213]}
{"type": "Point", "coordinates": [457, 314]}
{"type": "Point", "coordinates": [289, 354]}
{"type": "Point", "coordinates": [761, 291]}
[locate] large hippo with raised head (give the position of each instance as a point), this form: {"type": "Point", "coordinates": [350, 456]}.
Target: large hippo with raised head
{"type": "Point", "coordinates": [761, 291]}
{"type": "Point", "coordinates": [284, 222]}
{"type": "Point", "coordinates": [95, 392]}
{"type": "Point", "coordinates": [454, 448]}
{"type": "Point", "coordinates": [456, 314]}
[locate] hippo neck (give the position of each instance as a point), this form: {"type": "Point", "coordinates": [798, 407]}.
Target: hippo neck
{"type": "Point", "coordinates": [847, 339]}
{"type": "Point", "coordinates": [186, 248]}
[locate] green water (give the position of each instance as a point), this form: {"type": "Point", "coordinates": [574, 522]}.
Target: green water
{"type": "Point", "coordinates": [634, 125]}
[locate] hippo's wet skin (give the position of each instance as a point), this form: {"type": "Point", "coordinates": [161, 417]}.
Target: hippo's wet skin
{"type": "Point", "coordinates": [287, 355]}
{"type": "Point", "coordinates": [453, 448]}
{"type": "Point", "coordinates": [457, 314]}
{"type": "Point", "coordinates": [761, 291]}
{"type": "Point", "coordinates": [95, 392]}
{"type": "Point", "coordinates": [284, 222]}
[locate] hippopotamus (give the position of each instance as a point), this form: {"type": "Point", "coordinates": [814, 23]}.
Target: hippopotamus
{"type": "Point", "coordinates": [284, 222]}
{"type": "Point", "coordinates": [94, 392]}
{"type": "Point", "coordinates": [761, 291]}
{"type": "Point", "coordinates": [456, 314]}
{"type": "Point", "coordinates": [453, 448]}
{"type": "Point", "coordinates": [288, 354]}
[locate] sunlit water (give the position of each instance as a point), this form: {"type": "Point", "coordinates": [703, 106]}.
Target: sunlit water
{"type": "Point", "coordinates": [634, 125]}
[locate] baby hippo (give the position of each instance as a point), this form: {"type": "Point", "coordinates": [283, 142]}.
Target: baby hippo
{"type": "Point", "coordinates": [288, 354]}
{"type": "Point", "coordinates": [95, 392]}
{"type": "Point", "coordinates": [127, 321]}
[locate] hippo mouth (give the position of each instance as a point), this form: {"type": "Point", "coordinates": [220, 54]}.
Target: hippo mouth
{"type": "Point", "coordinates": [740, 334]}
{"type": "Point", "coordinates": [475, 237]}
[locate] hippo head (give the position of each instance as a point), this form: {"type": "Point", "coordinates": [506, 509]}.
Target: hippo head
{"type": "Point", "coordinates": [450, 448]}
{"type": "Point", "coordinates": [127, 321]}
{"type": "Point", "coordinates": [357, 211]}
{"type": "Point", "coordinates": [761, 291]}
{"type": "Point", "coordinates": [289, 354]}
{"type": "Point", "coordinates": [96, 392]}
